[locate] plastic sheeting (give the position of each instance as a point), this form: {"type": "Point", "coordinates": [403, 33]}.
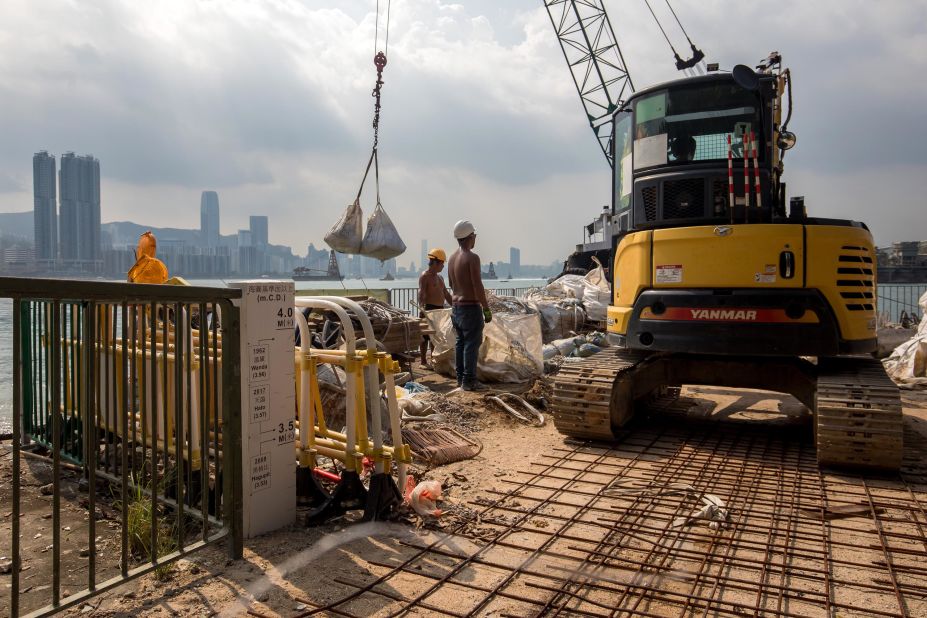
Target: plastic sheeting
{"type": "Point", "coordinates": [381, 240]}
{"type": "Point", "coordinates": [908, 363]}
{"type": "Point", "coordinates": [348, 233]}
{"type": "Point", "coordinates": [511, 349]}
{"type": "Point", "coordinates": [590, 290]}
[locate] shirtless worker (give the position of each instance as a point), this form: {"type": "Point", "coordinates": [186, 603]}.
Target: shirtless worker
{"type": "Point", "coordinates": [470, 309]}
{"type": "Point", "coordinates": [432, 293]}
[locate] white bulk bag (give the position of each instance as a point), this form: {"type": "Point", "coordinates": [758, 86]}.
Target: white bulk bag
{"type": "Point", "coordinates": [381, 240]}
{"type": "Point", "coordinates": [347, 235]}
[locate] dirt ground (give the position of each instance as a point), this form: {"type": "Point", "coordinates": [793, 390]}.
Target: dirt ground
{"type": "Point", "coordinates": [291, 570]}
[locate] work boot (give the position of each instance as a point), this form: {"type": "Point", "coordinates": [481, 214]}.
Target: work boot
{"type": "Point", "coordinates": [475, 386]}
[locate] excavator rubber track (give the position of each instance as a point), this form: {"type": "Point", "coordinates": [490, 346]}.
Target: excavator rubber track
{"type": "Point", "coordinates": [585, 402]}
{"type": "Point", "coordinates": [858, 415]}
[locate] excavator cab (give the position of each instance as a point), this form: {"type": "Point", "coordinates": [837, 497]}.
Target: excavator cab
{"type": "Point", "coordinates": [676, 145]}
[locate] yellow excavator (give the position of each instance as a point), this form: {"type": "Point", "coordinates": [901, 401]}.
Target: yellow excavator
{"type": "Point", "coordinates": [716, 282]}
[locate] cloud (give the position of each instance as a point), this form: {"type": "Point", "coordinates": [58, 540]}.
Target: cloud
{"type": "Point", "coordinates": [269, 104]}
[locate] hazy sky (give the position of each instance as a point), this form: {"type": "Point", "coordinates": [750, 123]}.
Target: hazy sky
{"type": "Point", "coordinates": [268, 103]}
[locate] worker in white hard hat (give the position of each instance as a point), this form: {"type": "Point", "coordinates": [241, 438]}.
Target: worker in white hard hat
{"type": "Point", "coordinates": [470, 309]}
{"type": "Point", "coordinates": [432, 294]}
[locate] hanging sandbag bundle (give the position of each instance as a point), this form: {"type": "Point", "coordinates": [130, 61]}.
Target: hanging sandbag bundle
{"type": "Point", "coordinates": [347, 235]}
{"type": "Point", "coordinates": [381, 240]}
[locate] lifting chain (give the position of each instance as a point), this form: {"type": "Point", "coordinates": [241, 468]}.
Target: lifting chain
{"type": "Point", "coordinates": [380, 62]}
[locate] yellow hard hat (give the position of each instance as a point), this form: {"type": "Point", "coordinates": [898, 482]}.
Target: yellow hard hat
{"type": "Point", "coordinates": [437, 254]}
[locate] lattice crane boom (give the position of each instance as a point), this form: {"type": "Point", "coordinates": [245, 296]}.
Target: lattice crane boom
{"type": "Point", "coordinates": [596, 64]}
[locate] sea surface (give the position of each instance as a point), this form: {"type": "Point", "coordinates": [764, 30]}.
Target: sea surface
{"type": "Point", "coordinates": [6, 323]}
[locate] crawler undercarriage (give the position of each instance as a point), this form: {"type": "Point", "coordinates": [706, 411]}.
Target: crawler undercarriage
{"type": "Point", "coordinates": [856, 407]}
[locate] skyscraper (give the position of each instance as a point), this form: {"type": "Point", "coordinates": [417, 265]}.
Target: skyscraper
{"type": "Point", "coordinates": [515, 261]}
{"type": "Point", "coordinates": [79, 237]}
{"type": "Point", "coordinates": [45, 208]}
{"type": "Point", "coordinates": [424, 256]}
{"type": "Point", "coordinates": [259, 230]}
{"type": "Point", "coordinates": [209, 218]}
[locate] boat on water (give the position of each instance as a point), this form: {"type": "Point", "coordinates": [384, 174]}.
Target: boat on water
{"type": "Point", "coordinates": [315, 274]}
{"type": "Point", "coordinates": [388, 277]}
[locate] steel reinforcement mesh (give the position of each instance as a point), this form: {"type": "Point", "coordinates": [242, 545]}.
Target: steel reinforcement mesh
{"type": "Point", "coordinates": [798, 541]}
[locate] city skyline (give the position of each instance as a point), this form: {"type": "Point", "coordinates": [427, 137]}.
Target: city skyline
{"type": "Point", "coordinates": [480, 118]}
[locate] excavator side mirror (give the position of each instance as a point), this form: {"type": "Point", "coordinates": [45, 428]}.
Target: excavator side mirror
{"type": "Point", "coordinates": [786, 140]}
{"type": "Point", "coordinates": [745, 77]}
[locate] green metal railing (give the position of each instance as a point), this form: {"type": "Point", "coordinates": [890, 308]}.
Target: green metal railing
{"type": "Point", "coordinates": [136, 389]}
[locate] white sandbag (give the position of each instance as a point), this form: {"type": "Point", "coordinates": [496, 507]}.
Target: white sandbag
{"type": "Point", "coordinates": [348, 232]}
{"type": "Point", "coordinates": [559, 318]}
{"type": "Point", "coordinates": [596, 293]}
{"type": "Point", "coordinates": [381, 240]}
{"type": "Point", "coordinates": [908, 363]}
{"type": "Point", "coordinates": [511, 350]}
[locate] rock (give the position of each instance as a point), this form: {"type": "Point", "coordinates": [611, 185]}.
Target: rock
{"type": "Point", "coordinates": [129, 595]}
{"type": "Point", "coordinates": [86, 609]}
{"type": "Point", "coordinates": [85, 552]}
{"type": "Point", "coordinates": [263, 597]}
{"type": "Point", "coordinates": [195, 570]}
{"type": "Point", "coordinates": [6, 568]}
{"type": "Point", "coordinates": [47, 490]}
{"type": "Point", "coordinates": [300, 607]}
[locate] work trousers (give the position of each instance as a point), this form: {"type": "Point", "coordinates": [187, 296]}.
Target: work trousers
{"type": "Point", "coordinates": [468, 324]}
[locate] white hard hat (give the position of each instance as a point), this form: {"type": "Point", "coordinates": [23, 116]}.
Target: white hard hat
{"type": "Point", "coordinates": [462, 229]}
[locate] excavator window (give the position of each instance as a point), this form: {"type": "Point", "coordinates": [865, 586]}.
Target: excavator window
{"type": "Point", "coordinates": [624, 176]}
{"type": "Point", "coordinates": [691, 123]}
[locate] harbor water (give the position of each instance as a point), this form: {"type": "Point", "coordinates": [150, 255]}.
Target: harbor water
{"type": "Point", "coordinates": [6, 323]}
{"type": "Point", "coordinates": [893, 299]}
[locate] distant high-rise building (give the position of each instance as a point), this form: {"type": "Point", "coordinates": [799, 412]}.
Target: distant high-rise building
{"type": "Point", "coordinates": [209, 218]}
{"type": "Point", "coordinates": [515, 261]}
{"type": "Point", "coordinates": [259, 230]}
{"type": "Point", "coordinates": [423, 259]}
{"type": "Point", "coordinates": [79, 225]}
{"type": "Point", "coordinates": [45, 207]}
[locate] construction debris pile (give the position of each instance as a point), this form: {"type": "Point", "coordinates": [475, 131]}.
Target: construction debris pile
{"type": "Point", "coordinates": [397, 332]}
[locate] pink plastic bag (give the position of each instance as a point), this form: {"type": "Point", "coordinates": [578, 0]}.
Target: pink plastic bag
{"type": "Point", "coordinates": [424, 498]}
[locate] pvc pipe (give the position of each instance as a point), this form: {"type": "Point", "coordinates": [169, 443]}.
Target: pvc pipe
{"type": "Point", "coordinates": [394, 422]}
{"type": "Point", "coordinates": [730, 174]}
{"type": "Point", "coordinates": [746, 154]}
{"type": "Point", "coordinates": [350, 387]}
{"type": "Point", "coordinates": [373, 382]}
{"type": "Point", "coordinates": [756, 171]}
{"type": "Point", "coordinates": [306, 413]}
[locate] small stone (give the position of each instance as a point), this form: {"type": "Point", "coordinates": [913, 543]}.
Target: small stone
{"type": "Point", "coordinates": [129, 595]}
{"type": "Point", "coordinates": [6, 568]}
{"type": "Point", "coordinates": [47, 490]}
{"type": "Point", "coordinates": [47, 516]}
{"type": "Point", "coordinates": [67, 528]}
{"type": "Point", "coordinates": [86, 609]}
{"type": "Point", "coordinates": [195, 570]}
{"type": "Point", "coordinates": [300, 607]}
{"type": "Point", "coordinates": [38, 535]}
{"type": "Point", "coordinates": [84, 552]}
{"type": "Point", "coordinates": [262, 598]}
